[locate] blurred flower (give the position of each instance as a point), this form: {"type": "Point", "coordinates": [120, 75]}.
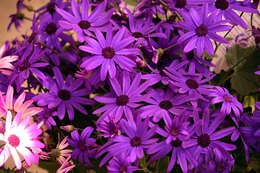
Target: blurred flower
{"type": "Point", "coordinates": [6, 62]}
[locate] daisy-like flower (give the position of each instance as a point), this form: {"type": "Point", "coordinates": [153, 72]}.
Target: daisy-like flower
{"type": "Point", "coordinates": [229, 8]}
{"type": "Point", "coordinates": [160, 105]}
{"type": "Point", "coordinates": [109, 127]}
{"type": "Point", "coordinates": [21, 138]}
{"type": "Point", "coordinates": [191, 83]}
{"type": "Point", "coordinates": [206, 139]}
{"type": "Point", "coordinates": [143, 30]}
{"type": "Point", "coordinates": [81, 21]}
{"type": "Point", "coordinates": [6, 62]}
{"type": "Point", "coordinates": [200, 29]}
{"type": "Point", "coordinates": [28, 64]}
{"type": "Point", "coordinates": [109, 52]}
{"type": "Point", "coordinates": [84, 146]}
{"type": "Point", "coordinates": [120, 164]}
{"type": "Point", "coordinates": [230, 102]}
{"type": "Point", "coordinates": [60, 152]}
{"type": "Point", "coordinates": [9, 103]}
{"type": "Point", "coordinates": [50, 30]}
{"type": "Point", "coordinates": [127, 95]}
{"type": "Point", "coordinates": [64, 95]}
{"type": "Point", "coordinates": [46, 115]}
{"type": "Point", "coordinates": [136, 140]}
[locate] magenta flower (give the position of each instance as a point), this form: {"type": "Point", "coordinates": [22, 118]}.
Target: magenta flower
{"type": "Point", "coordinates": [127, 95]}
{"type": "Point", "coordinates": [84, 146]}
{"type": "Point", "coordinates": [201, 28]}
{"type": "Point", "coordinates": [65, 95]}
{"type": "Point", "coordinates": [120, 164]}
{"type": "Point", "coordinates": [230, 102]}
{"type": "Point", "coordinates": [21, 138]}
{"type": "Point", "coordinates": [109, 52]}
{"type": "Point", "coordinates": [81, 21]}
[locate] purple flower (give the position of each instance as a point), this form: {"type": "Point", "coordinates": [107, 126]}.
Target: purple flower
{"type": "Point", "coordinates": [28, 64]}
{"type": "Point", "coordinates": [47, 117]}
{"type": "Point", "coordinates": [127, 96]}
{"type": "Point", "coordinates": [81, 21]}
{"type": "Point", "coordinates": [206, 139]}
{"type": "Point", "coordinates": [143, 30]}
{"type": "Point", "coordinates": [109, 52]}
{"type": "Point", "coordinates": [50, 31]}
{"type": "Point", "coordinates": [84, 146]}
{"type": "Point", "coordinates": [65, 95]}
{"type": "Point", "coordinates": [136, 139]}
{"type": "Point", "coordinates": [120, 165]}
{"type": "Point", "coordinates": [109, 127]}
{"type": "Point", "coordinates": [191, 83]}
{"type": "Point", "coordinates": [220, 94]}
{"type": "Point", "coordinates": [228, 8]}
{"type": "Point", "coordinates": [16, 19]}
{"type": "Point", "coordinates": [200, 29]}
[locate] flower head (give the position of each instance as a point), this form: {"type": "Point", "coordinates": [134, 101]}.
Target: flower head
{"type": "Point", "coordinates": [6, 62]}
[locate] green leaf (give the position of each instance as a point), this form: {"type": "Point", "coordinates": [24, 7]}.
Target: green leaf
{"type": "Point", "coordinates": [162, 165]}
{"type": "Point", "coordinates": [236, 53]}
{"type": "Point", "coordinates": [245, 62]}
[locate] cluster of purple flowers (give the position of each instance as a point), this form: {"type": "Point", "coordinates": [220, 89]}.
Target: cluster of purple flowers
{"type": "Point", "coordinates": [134, 85]}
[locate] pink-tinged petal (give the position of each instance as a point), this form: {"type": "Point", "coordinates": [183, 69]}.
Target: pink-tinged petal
{"type": "Point", "coordinates": [16, 158]}
{"type": "Point", "coordinates": [8, 121]}
{"type": "Point", "coordinates": [140, 152]}
{"type": "Point", "coordinates": [27, 154]}
{"type": "Point", "coordinates": [4, 155]}
{"type": "Point", "coordinates": [9, 97]}
{"type": "Point", "coordinates": [19, 101]}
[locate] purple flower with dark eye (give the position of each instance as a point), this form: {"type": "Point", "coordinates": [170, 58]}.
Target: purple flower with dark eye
{"type": "Point", "coordinates": [50, 8]}
{"type": "Point", "coordinates": [136, 140]}
{"type": "Point", "coordinates": [205, 138]}
{"type": "Point", "coordinates": [143, 29]}
{"type": "Point", "coordinates": [119, 164]}
{"type": "Point", "coordinates": [84, 146]}
{"type": "Point", "coordinates": [16, 19]}
{"type": "Point", "coordinates": [28, 64]}
{"type": "Point", "coordinates": [228, 8]}
{"type": "Point", "coordinates": [200, 29]}
{"type": "Point", "coordinates": [109, 127]}
{"type": "Point", "coordinates": [81, 21]}
{"type": "Point", "coordinates": [191, 83]}
{"type": "Point", "coordinates": [127, 96]}
{"type": "Point", "coordinates": [230, 102]}
{"type": "Point", "coordinates": [109, 52]}
{"type": "Point", "coordinates": [50, 31]}
{"type": "Point", "coordinates": [64, 95]}
{"type": "Point", "coordinates": [184, 4]}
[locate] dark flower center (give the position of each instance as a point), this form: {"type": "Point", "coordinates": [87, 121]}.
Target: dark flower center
{"type": "Point", "coordinates": [108, 52]}
{"type": "Point", "coordinates": [84, 24]}
{"type": "Point", "coordinates": [113, 129]}
{"type": "Point", "coordinates": [176, 143]}
{"type": "Point", "coordinates": [122, 100]}
{"type": "Point", "coordinates": [190, 55]}
{"type": "Point", "coordinates": [174, 131]}
{"type": "Point", "coordinates": [123, 169]}
{"type": "Point", "coordinates": [64, 94]}
{"type": "Point", "coordinates": [165, 104]}
{"type": "Point", "coordinates": [24, 66]}
{"type": "Point", "coordinates": [227, 98]}
{"type": "Point", "coordinates": [202, 30]}
{"type": "Point", "coordinates": [222, 4]}
{"type": "Point", "coordinates": [51, 7]}
{"type": "Point", "coordinates": [14, 140]}
{"type": "Point", "coordinates": [204, 140]}
{"type": "Point", "coordinates": [220, 166]}
{"type": "Point", "coordinates": [51, 28]}
{"type": "Point", "coordinates": [180, 3]}
{"type": "Point", "coordinates": [192, 84]}
{"type": "Point", "coordinates": [82, 146]}
{"type": "Point", "coordinates": [136, 141]}
{"type": "Point", "coordinates": [137, 34]}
